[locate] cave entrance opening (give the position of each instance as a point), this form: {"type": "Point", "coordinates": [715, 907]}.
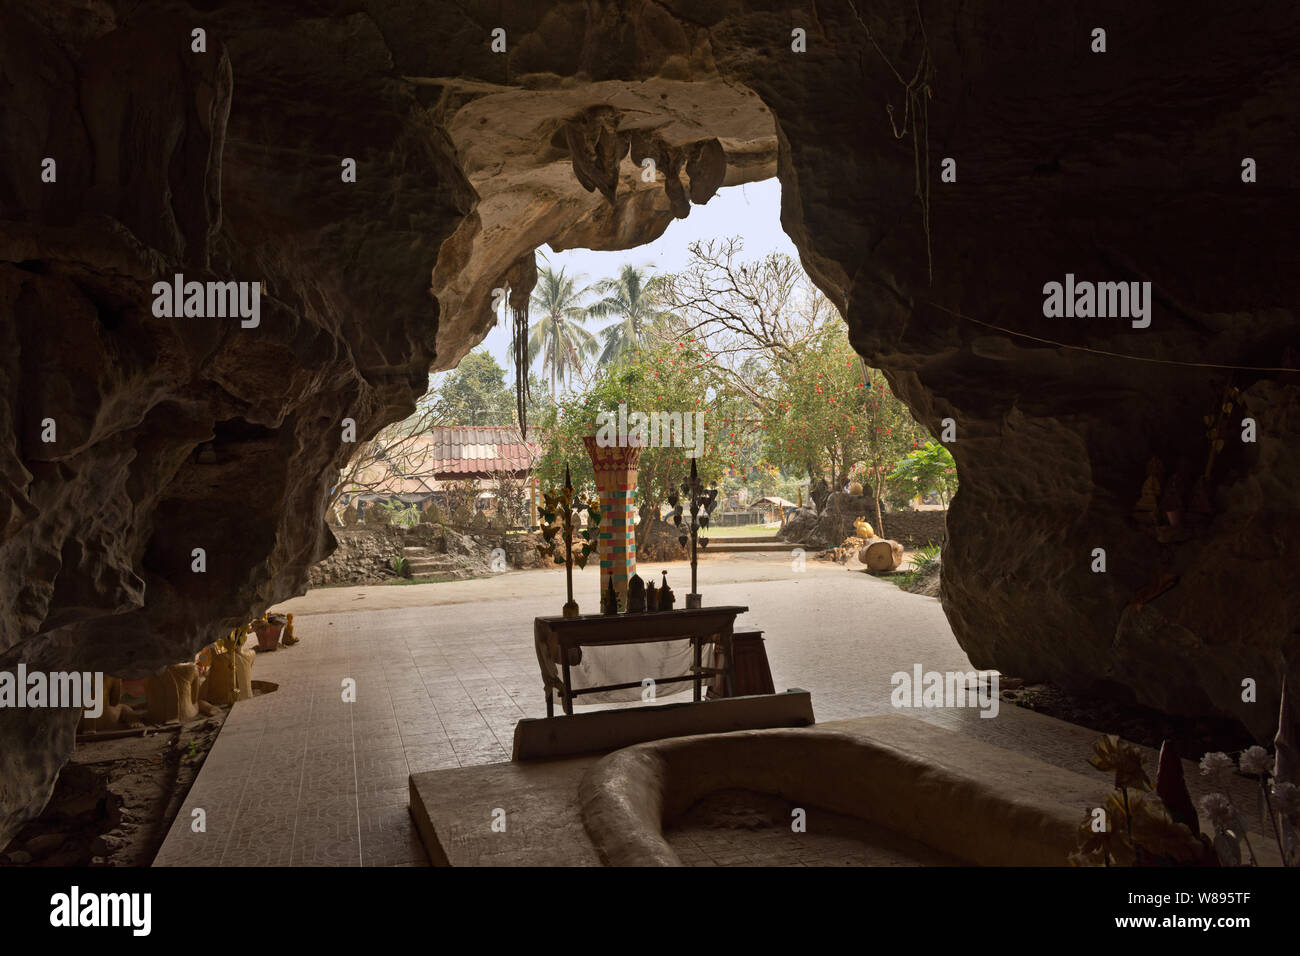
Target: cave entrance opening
{"type": "Point", "coordinates": [626, 255]}
{"type": "Point", "coordinates": [707, 344]}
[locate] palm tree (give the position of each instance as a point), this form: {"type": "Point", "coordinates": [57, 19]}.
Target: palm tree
{"type": "Point", "coordinates": [634, 300]}
{"type": "Point", "coordinates": [558, 335]}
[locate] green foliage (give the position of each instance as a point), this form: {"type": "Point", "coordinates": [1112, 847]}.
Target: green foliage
{"type": "Point", "coordinates": [400, 513]}
{"type": "Point", "coordinates": [636, 302]}
{"type": "Point", "coordinates": [926, 469]}
{"type": "Point", "coordinates": [922, 558]}
{"type": "Point", "coordinates": [831, 412]}
{"type": "Point", "coordinates": [664, 377]}
{"type": "Point", "coordinates": [475, 393]}
{"type": "Point", "coordinates": [754, 346]}
{"type": "Point", "coordinates": [401, 566]}
{"type": "Point", "coordinates": [557, 336]}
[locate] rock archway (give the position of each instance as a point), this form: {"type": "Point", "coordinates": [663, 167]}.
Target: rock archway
{"type": "Point", "coordinates": [225, 164]}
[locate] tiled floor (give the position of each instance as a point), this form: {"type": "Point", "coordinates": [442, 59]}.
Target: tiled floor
{"type": "Point", "coordinates": [301, 776]}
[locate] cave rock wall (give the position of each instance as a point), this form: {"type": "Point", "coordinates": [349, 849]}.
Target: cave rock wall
{"type": "Point", "coordinates": [225, 165]}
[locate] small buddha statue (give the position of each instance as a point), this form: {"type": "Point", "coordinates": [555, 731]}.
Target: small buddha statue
{"type": "Point", "coordinates": [635, 594]}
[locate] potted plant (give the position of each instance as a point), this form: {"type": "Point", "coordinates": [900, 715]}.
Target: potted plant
{"type": "Point", "coordinates": [267, 629]}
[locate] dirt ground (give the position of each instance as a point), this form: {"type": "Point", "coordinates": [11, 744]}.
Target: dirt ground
{"type": "Point", "coordinates": [1193, 736]}
{"type": "Point", "coordinates": [117, 797]}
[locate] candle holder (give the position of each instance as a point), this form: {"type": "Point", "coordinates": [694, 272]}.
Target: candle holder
{"type": "Point", "coordinates": [701, 502]}
{"type": "Point", "coordinates": [559, 514]}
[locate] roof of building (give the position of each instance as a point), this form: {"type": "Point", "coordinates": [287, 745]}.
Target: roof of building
{"type": "Point", "coordinates": [466, 450]}
{"type": "Point", "coordinates": [779, 502]}
{"type": "Point", "coordinates": [422, 464]}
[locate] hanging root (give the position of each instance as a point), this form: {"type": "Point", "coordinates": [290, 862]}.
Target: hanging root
{"type": "Point", "coordinates": [519, 341]}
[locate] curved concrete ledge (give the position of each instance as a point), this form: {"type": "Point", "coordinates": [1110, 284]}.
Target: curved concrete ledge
{"type": "Point", "coordinates": [980, 804]}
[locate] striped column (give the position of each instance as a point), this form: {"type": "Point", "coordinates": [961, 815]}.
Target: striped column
{"type": "Point", "coordinates": [615, 469]}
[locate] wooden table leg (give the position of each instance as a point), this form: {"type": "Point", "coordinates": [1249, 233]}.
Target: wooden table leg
{"type": "Point", "coordinates": [550, 702]}
{"type": "Point", "coordinates": [568, 696]}
{"type": "Point", "coordinates": [729, 649]}
{"type": "Point", "coordinates": [699, 663]}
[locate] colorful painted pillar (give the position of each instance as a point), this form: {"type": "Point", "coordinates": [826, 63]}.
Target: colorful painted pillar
{"type": "Point", "coordinates": [615, 468]}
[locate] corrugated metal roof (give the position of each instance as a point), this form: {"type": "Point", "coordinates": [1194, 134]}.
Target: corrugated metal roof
{"type": "Point", "coordinates": [468, 450]}
{"type": "Point", "coordinates": [779, 502]}
{"type": "Point", "coordinates": [424, 463]}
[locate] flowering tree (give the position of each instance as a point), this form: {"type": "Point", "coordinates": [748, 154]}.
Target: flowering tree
{"type": "Point", "coordinates": [832, 413]}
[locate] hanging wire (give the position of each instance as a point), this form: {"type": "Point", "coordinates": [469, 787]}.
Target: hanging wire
{"type": "Point", "coordinates": [916, 116]}
{"type": "Point", "coordinates": [1121, 355]}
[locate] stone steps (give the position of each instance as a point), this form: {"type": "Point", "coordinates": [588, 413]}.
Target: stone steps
{"type": "Point", "coordinates": [424, 562]}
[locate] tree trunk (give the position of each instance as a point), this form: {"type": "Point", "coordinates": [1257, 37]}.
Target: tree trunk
{"type": "Point", "coordinates": [879, 554]}
{"type": "Point", "coordinates": [880, 521]}
{"type": "Point", "coordinates": [647, 518]}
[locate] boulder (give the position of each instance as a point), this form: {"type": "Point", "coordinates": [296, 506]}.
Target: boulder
{"type": "Point", "coordinates": [661, 543]}
{"type": "Point", "coordinates": [801, 528]}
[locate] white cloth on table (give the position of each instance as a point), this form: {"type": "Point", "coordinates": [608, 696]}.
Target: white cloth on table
{"type": "Point", "coordinates": [620, 663]}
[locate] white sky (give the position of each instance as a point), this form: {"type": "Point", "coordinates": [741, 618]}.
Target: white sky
{"type": "Point", "coordinates": [752, 211]}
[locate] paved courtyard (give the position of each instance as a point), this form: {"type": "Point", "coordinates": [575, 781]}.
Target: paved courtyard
{"type": "Point", "coordinates": [444, 671]}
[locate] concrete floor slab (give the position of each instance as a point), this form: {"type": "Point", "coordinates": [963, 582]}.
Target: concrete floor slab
{"type": "Point", "coordinates": [444, 672]}
{"type": "Point", "coordinates": [505, 814]}
{"type": "Point", "coordinates": [537, 807]}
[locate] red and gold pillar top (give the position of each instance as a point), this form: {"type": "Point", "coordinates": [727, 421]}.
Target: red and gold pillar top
{"type": "Point", "coordinates": [615, 467]}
